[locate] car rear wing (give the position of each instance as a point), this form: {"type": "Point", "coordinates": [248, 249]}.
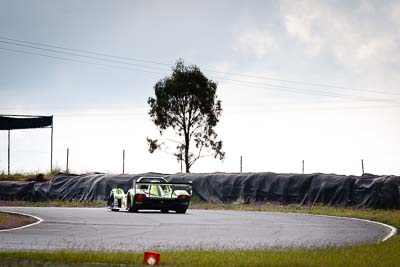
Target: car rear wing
{"type": "Point", "coordinates": [174, 186]}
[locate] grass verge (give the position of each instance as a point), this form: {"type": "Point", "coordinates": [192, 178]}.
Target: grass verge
{"type": "Point", "coordinates": [11, 220]}
{"type": "Point", "coordinates": [391, 217]}
{"type": "Point", "coordinates": [382, 254]}
{"type": "Point", "coordinates": [55, 203]}
{"type": "Point", "coordinates": [29, 176]}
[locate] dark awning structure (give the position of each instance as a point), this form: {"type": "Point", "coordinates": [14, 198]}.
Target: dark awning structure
{"type": "Point", "coordinates": [18, 122]}
{"type": "Point", "coordinates": [13, 122]}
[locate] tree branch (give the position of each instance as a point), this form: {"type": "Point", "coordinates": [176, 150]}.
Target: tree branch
{"type": "Point", "coordinates": [171, 140]}
{"type": "Point", "coordinates": [198, 154]}
{"type": "Point", "coordinates": [194, 130]}
{"type": "Point", "coordinates": [202, 156]}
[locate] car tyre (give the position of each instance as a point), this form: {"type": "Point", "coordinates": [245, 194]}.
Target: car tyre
{"type": "Point", "coordinates": [111, 203]}
{"type": "Point", "coordinates": [181, 210]}
{"type": "Point", "coordinates": [128, 203]}
{"type": "Point", "coordinates": [164, 210]}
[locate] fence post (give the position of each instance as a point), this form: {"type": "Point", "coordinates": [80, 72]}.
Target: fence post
{"type": "Point", "coordinates": [9, 138]}
{"type": "Point", "coordinates": [362, 166]}
{"type": "Point", "coordinates": [51, 144]}
{"type": "Point", "coordinates": [123, 161]}
{"type": "Point", "coordinates": [67, 167]}
{"type": "Point", "coordinates": [241, 164]}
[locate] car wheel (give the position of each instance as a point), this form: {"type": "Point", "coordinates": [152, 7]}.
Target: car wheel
{"type": "Point", "coordinates": [164, 210]}
{"type": "Point", "coordinates": [181, 210]}
{"type": "Point", "coordinates": [128, 203]}
{"type": "Point", "coordinates": [111, 201]}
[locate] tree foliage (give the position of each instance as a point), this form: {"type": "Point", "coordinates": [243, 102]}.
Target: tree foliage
{"type": "Point", "coordinates": [186, 103]}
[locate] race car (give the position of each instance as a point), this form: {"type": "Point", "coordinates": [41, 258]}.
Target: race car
{"type": "Point", "coordinates": [152, 193]}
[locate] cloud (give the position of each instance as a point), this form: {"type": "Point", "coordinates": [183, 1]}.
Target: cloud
{"type": "Point", "coordinates": [395, 15]}
{"type": "Point", "coordinates": [224, 66]}
{"type": "Point", "coordinates": [299, 24]}
{"type": "Point", "coordinates": [254, 41]}
{"type": "Point", "coordinates": [353, 34]}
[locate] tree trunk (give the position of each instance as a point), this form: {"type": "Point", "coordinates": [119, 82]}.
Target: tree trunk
{"type": "Point", "coordinates": [187, 168]}
{"type": "Point", "coordinates": [187, 165]}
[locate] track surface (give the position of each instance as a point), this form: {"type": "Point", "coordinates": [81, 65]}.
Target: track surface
{"type": "Point", "coordinates": [100, 229]}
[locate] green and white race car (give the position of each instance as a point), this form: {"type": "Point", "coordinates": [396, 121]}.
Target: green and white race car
{"type": "Point", "coordinates": [152, 193]}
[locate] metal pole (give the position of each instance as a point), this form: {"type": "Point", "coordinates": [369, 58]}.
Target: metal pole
{"type": "Point", "coordinates": [51, 152]}
{"type": "Point", "coordinates": [362, 166]}
{"type": "Point", "coordinates": [123, 161]}
{"type": "Point", "coordinates": [67, 169]}
{"type": "Point", "coordinates": [241, 164]}
{"type": "Point", "coordinates": [303, 166]}
{"type": "Point", "coordinates": [9, 152]}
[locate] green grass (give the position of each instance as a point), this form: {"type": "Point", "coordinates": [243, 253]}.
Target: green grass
{"type": "Point", "coordinates": [391, 217]}
{"type": "Point", "coordinates": [10, 220]}
{"type": "Point", "coordinates": [382, 254]}
{"type": "Point", "coordinates": [28, 176]}
{"type": "Point", "coordinates": [3, 217]}
{"type": "Point", "coordinates": [56, 203]}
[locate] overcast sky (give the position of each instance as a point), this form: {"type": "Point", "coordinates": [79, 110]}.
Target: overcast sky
{"type": "Point", "coordinates": [298, 80]}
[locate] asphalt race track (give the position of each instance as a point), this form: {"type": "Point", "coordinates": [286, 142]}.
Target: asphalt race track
{"type": "Point", "coordinates": [100, 229]}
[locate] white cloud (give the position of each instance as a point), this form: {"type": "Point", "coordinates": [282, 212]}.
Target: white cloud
{"type": "Point", "coordinates": [373, 48]}
{"type": "Point", "coordinates": [395, 15]}
{"type": "Point", "coordinates": [300, 23]}
{"type": "Point", "coordinates": [353, 35]}
{"type": "Point", "coordinates": [223, 66]}
{"type": "Point", "coordinates": [254, 41]}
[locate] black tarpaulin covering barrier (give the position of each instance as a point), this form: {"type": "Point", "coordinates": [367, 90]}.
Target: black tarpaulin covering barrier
{"type": "Point", "coordinates": [369, 191]}
{"type": "Point", "coordinates": [9, 122]}
{"type": "Point", "coordinates": [284, 188]}
{"type": "Point", "coordinates": [16, 190]}
{"type": "Point", "coordinates": [94, 186]}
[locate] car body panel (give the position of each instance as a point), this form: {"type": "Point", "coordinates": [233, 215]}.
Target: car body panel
{"type": "Point", "coordinates": [152, 193]}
